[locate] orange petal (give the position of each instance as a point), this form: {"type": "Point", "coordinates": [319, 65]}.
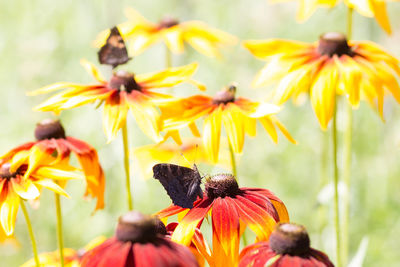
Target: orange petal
{"type": "Point", "coordinates": [8, 210]}
{"type": "Point", "coordinates": [94, 174]}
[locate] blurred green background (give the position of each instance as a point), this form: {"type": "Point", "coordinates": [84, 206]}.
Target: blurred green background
{"type": "Point", "coordinates": [42, 41]}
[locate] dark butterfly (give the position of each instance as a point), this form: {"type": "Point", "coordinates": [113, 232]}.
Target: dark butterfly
{"type": "Point", "coordinates": [181, 183]}
{"type": "Point", "coordinates": [114, 52]}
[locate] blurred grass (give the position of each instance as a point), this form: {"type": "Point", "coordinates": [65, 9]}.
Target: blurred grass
{"type": "Point", "coordinates": [42, 41]}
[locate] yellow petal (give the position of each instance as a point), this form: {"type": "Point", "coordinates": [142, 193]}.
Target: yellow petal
{"type": "Point", "coordinates": [263, 49]}
{"type": "Point", "coordinates": [53, 87]}
{"type": "Point", "coordinates": [167, 78]}
{"type": "Point", "coordinates": [140, 41]}
{"type": "Point", "coordinates": [19, 159]}
{"type": "Point", "coordinates": [173, 39]}
{"type": "Point", "coordinates": [56, 174]}
{"type": "Point", "coordinates": [381, 16]}
{"type": "Point", "coordinates": [306, 9]}
{"type": "Point", "coordinates": [234, 127]}
{"type": "Point", "coordinates": [350, 78]}
{"type": "Point", "coordinates": [49, 184]}
{"type": "Point", "coordinates": [323, 94]}
{"type": "Point", "coordinates": [91, 69]}
{"type": "Point", "coordinates": [364, 7]}
{"type": "Point", "coordinates": [283, 129]}
{"type": "Point", "coordinates": [146, 116]}
{"type": "Point", "coordinates": [212, 133]}
{"type": "Point", "coordinates": [114, 115]}
{"type": "Point", "coordinates": [25, 188]}
{"type": "Point", "coordinates": [270, 128]}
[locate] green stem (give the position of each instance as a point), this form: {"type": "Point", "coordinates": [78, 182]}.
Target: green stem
{"type": "Point", "coordinates": [336, 182]}
{"type": "Point", "coordinates": [30, 231]}
{"type": "Point", "coordinates": [168, 58]}
{"type": "Point", "coordinates": [126, 166]}
{"type": "Point", "coordinates": [347, 158]}
{"type": "Point", "coordinates": [349, 30]}
{"type": "Point", "coordinates": [233, 162]}
{"type": "Point", "coordinates": [59, 229]}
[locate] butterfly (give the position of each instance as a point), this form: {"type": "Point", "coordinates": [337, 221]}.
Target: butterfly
{"type": "Point", "coordinates": [181, 183]}
{"type": "Point", "coordinates": [114, 51]}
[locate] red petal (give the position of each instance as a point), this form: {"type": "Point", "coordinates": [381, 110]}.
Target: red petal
{"type": "Point", "coordinates": [184, 232]}
{"type": "Point", "coordinates": [226, 231]}
{"type": "Point", "coordinates": [89, 161]}
{"type": "Point", "coordinates": [255, 217]}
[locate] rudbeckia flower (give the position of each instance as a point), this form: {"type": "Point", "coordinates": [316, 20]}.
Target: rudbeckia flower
{"type": "Point", "coordinates": [72, 257]}
{"type": "Point", "coordinates": [288, 246]}
{"type": "Point", "coordinates": [17, 184]}
{"type": "Point", "coordinates": [368, 8]}
{"type": "Point", "coordinates": [189, 151]}
{"type": "Point", "coordinates": [139, 241]}
{"type": "Point", "coordinates": [232, 209]}
{"type": "Point", "coordinates": [198, 246]}
{"type": "Point", "coordinates": [326, 68]}
{"type": "Point", "coordinates": [53, 146]}
{"type": "Point", "coordinates": [142, 33]}
{"type": "Point", "coordinates": [122, 92]}
{"type": "Point", "coordinates": [238, 115]}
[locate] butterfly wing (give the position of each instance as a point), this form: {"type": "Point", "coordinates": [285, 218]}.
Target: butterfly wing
{"type": "Point", "coordinates": [114, 51]}
{"type": "Point", "coordinates": [181, 183]}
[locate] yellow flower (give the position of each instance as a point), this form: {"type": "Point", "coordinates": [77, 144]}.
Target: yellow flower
{"type": "Point", "coordinates": [122, 92]}
{"type": "Point", "coordinates": [238, 115]}
{"type": "Point", "coordinates": [72, 257]}
{"type": "Point", "coordinates": [188, 152]}
{"type": "Point", "coordinates": [368, 8]}
{"type": "Point", "coordinates": [323, 69]}
{"type": "Point", "coordinates": [142, 33]}
{"type": "Point", "coordinates": [16, 184]}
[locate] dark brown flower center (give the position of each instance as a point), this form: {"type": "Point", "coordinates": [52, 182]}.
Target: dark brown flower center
{"type": "Point", "coordinates": [333, 43]}
{"type": "Point", "coordinates": [290, 239]}
{"type": "Point", "coordinates": [48, 129]}
{"type": "Point", "coordinates": [136, 227]}
{"type": "Point", "coordinates": [225, 96]}
{"type": "Point", "coordinates": [222, 185]}
{"type": "Point", "coordinates": [124, 81]}
{"type": "Point", "coordinates": [167, 22]}
{"type": "Point", "coordinates": [5, 172]}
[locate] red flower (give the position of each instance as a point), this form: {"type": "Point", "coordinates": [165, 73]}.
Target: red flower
{"type": "Point", "coordinates": [288, 246]}
{"type": "Point", "coordinates": [231, 209]}
{"type": "Point", "coordinates": [53, 146]}
{"type": "Point", "coordinates": [139, 241]}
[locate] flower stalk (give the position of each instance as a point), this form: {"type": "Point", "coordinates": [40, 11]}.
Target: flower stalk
{"type": "Point", "coordinates": [126, 165]}
{"type": "Point", "coordinates": [59, 229]}
{"type": "Point", "coordinates": [233, 161]}
{"type": "Point", "coordinates": [168, 57]}
{"type": "Point", "coordinates": [347, 157]}
{"type": "Point", "coordinates": [335, 183]}
{"type": "Point", "coordinates": [30, 231]}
